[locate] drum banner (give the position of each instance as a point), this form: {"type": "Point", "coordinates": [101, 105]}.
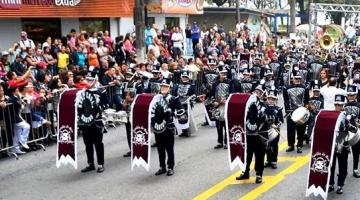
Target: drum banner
{"type": "Point", "coordinates": [188, 115]}
{"type": "Point", "coordinates": [67, 129]}
{"type": "Point", "coordinates": [324, 134]}
{"type": "Point", "coordinates": [208, 114]}
{"type": "Point", "coordinates": [141, 129]}
{"type": "Point", "coordinates": [236, 109]}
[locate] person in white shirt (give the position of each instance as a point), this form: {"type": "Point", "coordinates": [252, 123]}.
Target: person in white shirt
{"type": "Point", "coordinates": [165, 70]}
{"type": "Point", "coordinates": [177, 39]}
{"type": "Point", "coordinates": [25, 43]}
{"type": "Point", "coordinates": [329, 94]}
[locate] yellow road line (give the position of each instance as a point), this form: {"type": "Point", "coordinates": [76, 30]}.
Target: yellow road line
{"type": "Point", "coordinates": [228, 181]}
{"type": "Point", "coordinates": [268, 184]}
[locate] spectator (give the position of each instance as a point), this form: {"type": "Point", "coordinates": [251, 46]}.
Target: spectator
{"type": "Point", "coordinates": [4, 64]}
{"type": "Point", "coordinates": [195, 35]}
{"type": "Point", "coordinates": [22, 128]}
{"type": "Point", "coordinates": [177, 39]}
{"type": "Point", "coordinates": [120, 53]}
{"type": "Point", "coordinates": [104, 54]}
{"type": "Point", "coordinates": [79, 57]}
{"type": "Point", "coordinates": [47, 43]}
{"type": "Point", "coordinates": [63, 59]}
{"type": "Point", "coordinates": [108, 41]}
{"type": "Point", "coordinates": [50, 60]}
{"type": "Point", "coordinates": [188, 45]}
{"type": "Point", "coordinates": [93, 40]}
{"type": "Point", "coordinates": [26, 43]}
{"type": "Point", "coordinates": [17, 66]}
{"type": "Point", "coordinates": [14, 51]}
{"type": "Point", "coordinates": [165, 35]}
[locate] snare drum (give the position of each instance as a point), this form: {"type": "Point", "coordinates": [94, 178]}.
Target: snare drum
{"type": "Point", "coordinates": [272, 134]}
{"type": "Point", "coordinates": [353, 138]}
{"type": "Point", "coordinates": [300, 116]}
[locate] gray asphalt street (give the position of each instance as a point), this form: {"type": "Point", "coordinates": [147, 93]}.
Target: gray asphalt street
{"type": "Point", "coordinates": [200, 173]}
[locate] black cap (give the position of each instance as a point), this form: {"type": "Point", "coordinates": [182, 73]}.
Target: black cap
{"type": "Point", "coordinates": [339, 99]}
{"type": "Point", "coordinates": [155, 68]}
{"type": "Point", "coordinates": [166, 82]}
{"type": "Point", "coordinates": [351, 90]}
{"type": "Point", "coordinates": [315, 85]}
{"type": "Point", "coordinates": [185, 73]}
{"type": "Point", "coordinates": [272, 93]}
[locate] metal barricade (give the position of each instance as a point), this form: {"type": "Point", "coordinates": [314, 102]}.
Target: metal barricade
{"type": "Point", "coordinates": [7, 121]}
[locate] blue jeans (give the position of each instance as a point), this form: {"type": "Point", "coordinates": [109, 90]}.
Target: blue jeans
{"type": "Point", "coordinates": [117, 102]}
{"type": "Point", "coordinates": [189, 47]}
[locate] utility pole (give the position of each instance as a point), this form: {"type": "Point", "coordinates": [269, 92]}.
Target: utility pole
{"type": "Point", "coordinates": [139, 19]}
{"type": "Point", "coordinates": [237, 11]}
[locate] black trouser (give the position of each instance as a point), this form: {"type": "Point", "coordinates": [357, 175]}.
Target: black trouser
{"type": "Point", "coordinates": [165, 145]}
{"type": "Point", "coordinates": [293, 129]}
{"type": "Point", "coordinates": [93, 136]}
{"type": "Point", "coordinates": [356, 152]}
{"type": "Point", "coordinates": [257, 147]}
{"type": "Point", "coordinates": [272, 150]}
{"type": "Point", "coordinates": [342, 159]}
{"type": "Point", "coordinates": [220, 127]}
{"type": "Point", "coordinates": [128, 133]}
{"type": "Point", "coordinates": [311, 125]}
{"type": "Point", "coordinates": [195, 42]}
{"type": "Point", "coordinates": [176, 52]}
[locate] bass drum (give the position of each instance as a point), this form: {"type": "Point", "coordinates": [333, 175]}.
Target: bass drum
{"type": "Point", "coordinates": [353, 138]}
{"type": "Point", "coordinates": [300, 116]}
{"type": "Point", "coordinates": [273, 134]}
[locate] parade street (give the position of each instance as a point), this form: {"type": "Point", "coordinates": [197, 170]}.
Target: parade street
{"type": "Point", "coordinates": [201, 172]}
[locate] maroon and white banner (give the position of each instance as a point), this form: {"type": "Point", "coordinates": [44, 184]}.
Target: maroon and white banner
{"type": "Point", "coordinates": [140, 117]}
{"type": "Point", "coordinates": [67, 129]}
{"type": "Point", "coordinates": [324, 134]}
{"type": "Point", "coordinates": [236, 109]}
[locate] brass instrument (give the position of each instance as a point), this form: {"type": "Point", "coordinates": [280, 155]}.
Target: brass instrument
{"type": "Point", "coordinates": [326, 44]}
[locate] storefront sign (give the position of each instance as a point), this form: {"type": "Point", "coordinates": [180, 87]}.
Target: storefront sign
{"type": "Point", "coordinates": [16, 4]}
{"type": "Point", "coordinates": [10, 4]}
{"type": "Point", "coordinates": [175, 6]}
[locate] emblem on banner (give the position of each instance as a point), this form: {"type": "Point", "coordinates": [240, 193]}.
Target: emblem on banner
{"type": "Point", "coordinates": [65, 135]}
{"type": "Point", "coordinates": [237, 133]}
{"type": "Point", "coordinates": [140, 136]}
{"type": "Point", "coordinates": [86, 107]}
{"type": "Point", "coordinates": [320, 163]}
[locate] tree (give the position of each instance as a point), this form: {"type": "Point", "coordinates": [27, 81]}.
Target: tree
{"type": "Point", "coordinates": [292, 15]}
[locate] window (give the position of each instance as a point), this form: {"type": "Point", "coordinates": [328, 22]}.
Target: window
{"type": "Point", "coordinates": [150, 21]}
{"type": "Point", "coordinates": [39, 29]}
{"type": "Point", "coordinates": [94, 24]}
{"type": "Point", "coordinates": [172, 21]}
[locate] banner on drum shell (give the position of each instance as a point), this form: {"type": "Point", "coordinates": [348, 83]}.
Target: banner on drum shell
{"type": "Point", "coordinates": [140, 116]}
{"type": "Point", "coordinates": [236, 109]}
{"type": "Point", "coordinates": [67, 129]}
{"type": "Point", "coordinates": [324, 134]}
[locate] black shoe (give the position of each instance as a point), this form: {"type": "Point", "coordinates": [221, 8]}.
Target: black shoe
{"type": "Point", "coordinates": [290, 149]}
{"type": "Point", "coordinates": [100, 169]}
{"type": "Point", "coordinates": [225, 146]}
{"type": "Point", "coordinates": [170, 172]}
{"type": "Point", "coordinates": [331, 188]}
{"type": "Point", "coordinates": [154, 145]}
{"type": "Point", "coordinates": [258, 179]}
{"type": "Point", "coordinates": [205, 124]}
{"type": "Point", "coordinates": [299, 150]}
{"type": "Point", "coordinates": [267, 164]}
{"type": "Point", "coordinates": [128, 154]}
{"type": "Point", "coordinates": [184, 135]}
{"type": "Point", "coordinates": [356, 174]}
{"type": "Point", "coordinates": [218, 146]}
{"type": "Point", "coordinates": [243, 176]}
{"type": "Point", "coordinates": [160, 171]}
{"type": "Point", "coordinates": [339, 190]}
{"type": "Point", "coordinates": [274, 165]}
{"type": "Point", "coordinates": [88, 168]}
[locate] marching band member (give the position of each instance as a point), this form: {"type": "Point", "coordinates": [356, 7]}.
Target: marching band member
{"type": "Point", "coordinates": [131, 87]}
{"type": "Point", "coordinates": [316, 66]}
{"type": "Point", "coordinates": [154, 84]}
{"type": "Point", "coordinates": [273, 118]}
{"type": "Point", "coordinates": [254, 143]}
{"type": "Point", "coordinates": [342, 147]}
{"type": "Point", "coordinates": [352, 107]}
{"type": "Point", "coordinates": [275, 66]}
{"type": "Point", "coordinates": [184, 90]}
{"type": "Point", "coordinates": [210, 76]}
{"type": "Point", "coordinates": [296, 95]}
{"type": "Point", "coordinates": [247, 83]}
{"type": "Point", "coordinates": [285, 79]}
{"type": "Point", "coordinates": [269, 81]}
{"type": "Point", "coordinates": [93, 132]}
{"type": "Point", "coordinates": [164, 133]}
{"type": "Point", "coordinates": [333, 65]}
{"type": "Point", "coordinates": [258, 68]}
{"type": "Point", "coordinates": [316, 103]}
{"type": "Point", "coordinates": [305, 72]}
{"type": "Point", "coordinates": [221, 90]}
